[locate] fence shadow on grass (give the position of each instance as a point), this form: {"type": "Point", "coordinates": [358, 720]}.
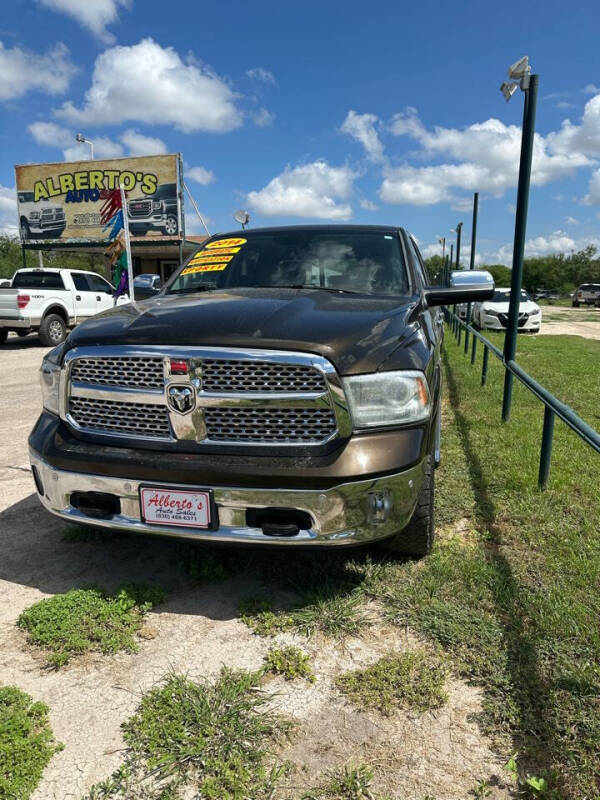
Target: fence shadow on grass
{"type": "Point", "coordinates": [535, 737]}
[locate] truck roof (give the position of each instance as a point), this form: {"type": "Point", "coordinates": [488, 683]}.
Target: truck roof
{"type": "Point", "coordinates": [317, 228]}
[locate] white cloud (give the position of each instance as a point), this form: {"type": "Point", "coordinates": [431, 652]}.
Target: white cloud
{"type": "Point", "coordinates": [49, 134]}
{"type": "Point", "coordinates": [140, 145]}
{"type": "Point", "coordinates": [263, 117]}
{"type": "Point", "coordinates": [579, 139]}
{"type": "Point", "coordinates": [201, 175]}
{"type": "Point", "coordinates": [8, 211]}
{"type": "Point", "coordinates": [591, 89]}
{"type": "Point", "coordinates": [310, 191]}
{"type": "Point", "coordinates": [593, 195]}
{"type": "Point", "coordinates": [261, 74]}
{"type": "Point", "coordinates": [487, 154]}
{"type": "Point", "coordinates": [368, 205]}
{"type": "Point", "coordinates": [94, 15]}
{"type": "Point", "coordinates": [572, 221]}
{"type": "Point", "coordinates": [22, 71]}
{"type": "Point", "coordinates": [151, 84]}
{"type": "Point", "coordinates": [363, 128]}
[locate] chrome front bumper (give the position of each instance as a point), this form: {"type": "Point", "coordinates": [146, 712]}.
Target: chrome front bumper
{"type": "Point", "coordinates": [351, 513]}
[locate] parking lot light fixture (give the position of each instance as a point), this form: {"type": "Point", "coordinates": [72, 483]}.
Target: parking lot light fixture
{"type": "Point", "coordinates": [521, 71]}
{"type": "Point", "coordinates": [82, 140]}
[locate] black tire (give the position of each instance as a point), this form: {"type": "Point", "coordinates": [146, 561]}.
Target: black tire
{"type": "Point", "coordinates": [3, 335]}
{"type": "Point", "coordinates": [22, 332]}
{"type": "Point", "coordinates": [417, 538]}
{"type": "Point", "coordinates": [575, 305]}
{"type": "Point", "coordinates": [53, 330]}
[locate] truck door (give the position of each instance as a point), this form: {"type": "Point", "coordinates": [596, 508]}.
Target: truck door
{"type": "Point", "coordinates": [85, 296]}
{"type": "Point", "coordinates": [103, 292]}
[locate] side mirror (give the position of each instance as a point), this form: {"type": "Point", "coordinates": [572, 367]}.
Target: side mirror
{"type": "Point", "coordinates": [466, 286]}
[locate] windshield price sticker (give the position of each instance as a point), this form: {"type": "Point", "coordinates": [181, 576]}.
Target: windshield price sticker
{"type": "Point", "coordinates": [175, 507]}
{"type": "Point", "coordinates": [213, 257]}
{"type": "Point", "coordinates": [225, 243]}
{"type": "Point", "coordinates": [204, 268]}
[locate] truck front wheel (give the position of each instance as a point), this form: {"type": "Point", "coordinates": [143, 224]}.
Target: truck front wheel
{"type": "Point", "coordinates": [53, 330]}
{"type": "Point", "coordinates": [417, 538]}
{"type": "Point", "coordinates": [3, 335]}
{"type": "Point", "coordinates": [171, 226]}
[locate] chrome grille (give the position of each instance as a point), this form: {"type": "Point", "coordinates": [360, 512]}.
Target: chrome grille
{"type": "Point", "coordinates": [311, 425]}
{"type": "Point", "coordinates": [226, 375]}
{"type": "Point", "coordinates": [140, 208]}
{"type": "Point", "coordinates": [139, 419]}
{"type": "Point", "coordinates": [133, 372]}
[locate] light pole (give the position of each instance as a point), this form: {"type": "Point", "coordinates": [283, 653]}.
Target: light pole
{"type": "Point", "coordinates": [442, 241]}
{"type": "Point", "coordinates": [458, 230]}
{"type": "Point", "coordinates": [528, 83]}
{"type": "Point", "coordinates": [82, 140]}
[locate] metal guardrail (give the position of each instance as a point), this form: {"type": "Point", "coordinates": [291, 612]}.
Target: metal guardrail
{"type": "Point", "coordinates": [552, 406]}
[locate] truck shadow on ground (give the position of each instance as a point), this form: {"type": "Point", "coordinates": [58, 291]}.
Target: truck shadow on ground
{"type": "Point", "coordinates": [29, 342]}
{"type": "Point", "coordinates": [529, 690]}
{"type": "Point", "coordinates": [42, 552]}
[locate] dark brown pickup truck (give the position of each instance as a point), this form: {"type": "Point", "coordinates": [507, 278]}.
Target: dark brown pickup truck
{"type": "Point", "coordinates": [283, 387]}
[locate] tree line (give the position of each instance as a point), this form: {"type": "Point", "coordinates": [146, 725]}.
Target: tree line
{"type": "Point", "coordinates": [561, 273]}
{"type": "Point", "coordinates": [11, 258]}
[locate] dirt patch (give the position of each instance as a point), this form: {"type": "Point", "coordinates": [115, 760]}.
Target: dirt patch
{"type": "Point", "coordinates": [564, 320]}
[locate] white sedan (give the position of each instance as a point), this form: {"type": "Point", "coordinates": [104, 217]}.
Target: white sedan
{"type": "Point", "coordinates": [493, 314]}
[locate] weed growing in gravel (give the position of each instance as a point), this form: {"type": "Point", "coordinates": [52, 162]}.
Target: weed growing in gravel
{"type": "Point", "coordinates": [257, 613]}
{"type": "Point", "coordinates": [209, 738]}
{"type": "Point", "coordinates": [26, 743]}
{"type": "Point", "coordinates": [83, 620]}
{"type": "Point", "coordinates": [290, 662]}
{"type": "Point", "coordinates": [349, 783]}
{"type": "Point", "coordinates": [318, 612]}
{"type": "Point", "coordinates": [413, 681]}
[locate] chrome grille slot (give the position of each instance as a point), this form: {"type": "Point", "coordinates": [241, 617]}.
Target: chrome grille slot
{"type": "Point", "coordinates": [137, 419]}
{"type": "Point", "coordinates": [131, 371]}
{"type": "Point", "coordinates": [226, 375]}
{"type": "Point", "coordinates": [283, 425]}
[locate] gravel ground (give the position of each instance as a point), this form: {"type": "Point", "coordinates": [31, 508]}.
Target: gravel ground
{"type": "Point", "coordinates": [571, 321]}
{"type": "Point", "coordinates": [441, 754]}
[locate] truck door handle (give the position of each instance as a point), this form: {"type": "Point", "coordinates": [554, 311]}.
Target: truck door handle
{"type": "Point", "coordinates": [98, 297]}
{"type": "Point", "coordinates": [77, 297]}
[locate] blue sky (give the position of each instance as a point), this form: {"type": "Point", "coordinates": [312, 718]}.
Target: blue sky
{"type": "Point", "coordinates": [380, 112]}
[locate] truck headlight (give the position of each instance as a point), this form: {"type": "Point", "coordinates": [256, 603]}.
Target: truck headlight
{"type": "Point", "coordinates": [387, 398]}
{"type": "Point", "coordinates": [490, 312]}
{"type": "Point", "coordinates": [50, 379]}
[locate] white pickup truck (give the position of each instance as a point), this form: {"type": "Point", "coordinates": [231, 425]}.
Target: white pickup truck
{"type": "Point", "coordinates": [51, 301]}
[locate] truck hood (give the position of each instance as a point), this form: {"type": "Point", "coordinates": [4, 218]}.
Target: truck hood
{"type": "Point", "coordinates": [356, 333]}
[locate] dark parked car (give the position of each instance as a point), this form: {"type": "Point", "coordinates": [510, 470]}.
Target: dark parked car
{"type": "Point", "coordinates": [146, 285]}
{"type": "Point", "coordinates": [284, 387]}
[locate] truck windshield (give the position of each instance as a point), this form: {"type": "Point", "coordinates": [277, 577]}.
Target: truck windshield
{"type": "Point", "coordinates": [367, 262]}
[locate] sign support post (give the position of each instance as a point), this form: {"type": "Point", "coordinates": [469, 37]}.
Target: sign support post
{"type": "Point", "coordinates": [127, 242]}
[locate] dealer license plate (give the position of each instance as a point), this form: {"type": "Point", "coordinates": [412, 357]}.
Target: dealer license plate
{"type": "Point", "coordinates": [180, 507]}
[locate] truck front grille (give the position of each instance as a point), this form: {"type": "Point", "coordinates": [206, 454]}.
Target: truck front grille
{"type": "Point", "coordinates": [259, 376]}
{"type": "Point", "coordinates": [259, 397]}
{"type": "Point", "coordinates": [138, 419]}
{"type": "Point", "coordinates": [283, 425]}
{"type": "Point", "coordinates": [134, 372]}
{"type": "Point", "coordinates": [140, 208]}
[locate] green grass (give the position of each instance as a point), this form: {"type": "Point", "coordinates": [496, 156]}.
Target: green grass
{"type": "Point", "coordinates": [84, 620]}
{"type": "Point", "coordinates": [212, 738]}
{"type": "Point", "coordinates": [515, 600]}
{"type": "Point", "coordinates": [347, 783]}
{"type": "Point", "coordinates": [413, 681]}
{"type": "Point", "coordinates": [290, 662]}
{"type": "Point", "coordinates": [26, 743]}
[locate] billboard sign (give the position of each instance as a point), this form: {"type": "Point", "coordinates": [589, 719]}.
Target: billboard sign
{"type": "Point", "coordinates": [61, 202]}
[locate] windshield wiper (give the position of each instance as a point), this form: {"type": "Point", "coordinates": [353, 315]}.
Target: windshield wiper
{"type": "Point", "coordinates": [192, 289]}
{"type": "Point", "coordinates": [332, 289]}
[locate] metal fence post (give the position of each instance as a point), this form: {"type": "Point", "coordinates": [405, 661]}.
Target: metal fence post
{"type": "Point", "coordinates": [510, 339]}
{"type": "Point", "coordinates": [473, 349]}
{"type": "Point", "coordinates": [484, 366]}
{"type": "Point", "coordinates": [472, 260]}
{"type": "Point", "coordinates": [546, 452]}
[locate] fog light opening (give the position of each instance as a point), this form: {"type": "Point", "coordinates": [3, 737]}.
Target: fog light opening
{"type": "Point", "coordinates": [379, 506]}
{"type": "Point", "coordinates": [98, 505]}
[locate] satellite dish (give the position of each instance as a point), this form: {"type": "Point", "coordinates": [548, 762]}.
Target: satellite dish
{"type": "Point", "coordinates": [243, 217]}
